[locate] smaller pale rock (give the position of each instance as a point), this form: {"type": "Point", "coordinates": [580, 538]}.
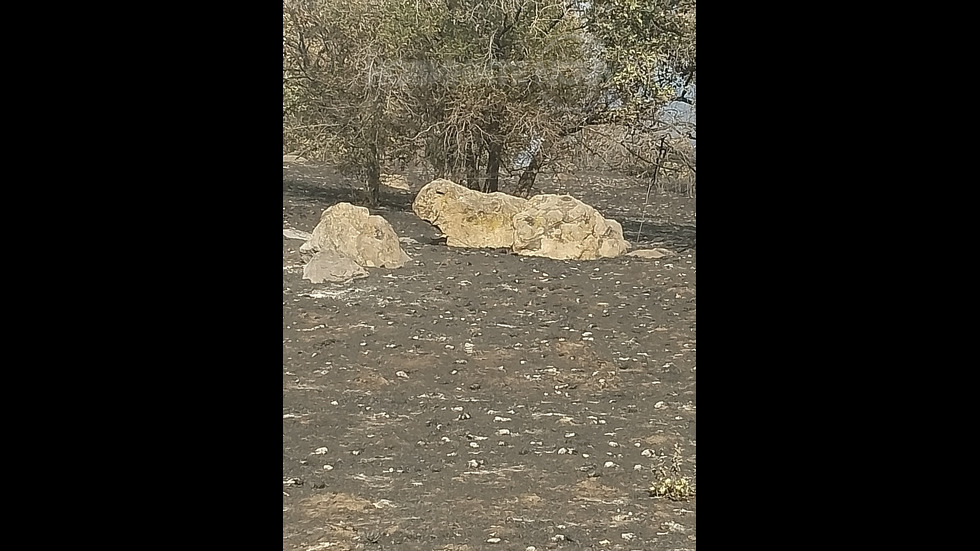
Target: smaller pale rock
{"type": "Point", "coordinates": [290, 233]}
{"type": "Point", "coordinates": [650, 253]}
{"type": "Point", "coordinates": [333, 267]}
{"type": "Point", "coordinates": [368, 240]}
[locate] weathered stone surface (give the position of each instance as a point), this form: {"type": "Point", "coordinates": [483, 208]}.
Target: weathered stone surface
{"type": "Point", "coordinates": [650, 253]}
{"type": "Point", "coordinates": [468, 218]}
{"type": "Point", "coordinates": [330, 266]}
{"type": "Point", "coordinates": [564, 228]}
{"type": "Point", "coordinates": [350, 230]}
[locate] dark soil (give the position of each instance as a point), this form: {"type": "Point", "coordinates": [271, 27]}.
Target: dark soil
{"type": "Point", "coordinates": [475, 394]}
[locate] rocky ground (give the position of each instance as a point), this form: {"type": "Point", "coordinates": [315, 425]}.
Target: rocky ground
{"type": "Point", "coordinates": [476, 399]}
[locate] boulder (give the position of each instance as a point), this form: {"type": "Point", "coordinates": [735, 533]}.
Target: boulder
{"type": "Point", "coordinates": [564, 228]}
{"type": "Point", "coordinates": [367, 240]}
{"type": "Point", "coordinates": [330, 266]}
{"type": "Point", "coordinates": [466, 217]}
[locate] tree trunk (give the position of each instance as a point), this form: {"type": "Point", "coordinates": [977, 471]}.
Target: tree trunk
{"type": "Point", "coordinates": [493, 169]}
{"type": "Point", "coordinates": [494, 152]}
{"type": "Point", "coordinates": [472, 162]}
{"type": "Point", "coordinates": [373, 169]}
{"type": "Point", "coordinates": [526, 181]}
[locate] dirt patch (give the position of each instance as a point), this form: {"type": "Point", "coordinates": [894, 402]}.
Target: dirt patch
{"type": "Point", "coordinates": [476, 399]}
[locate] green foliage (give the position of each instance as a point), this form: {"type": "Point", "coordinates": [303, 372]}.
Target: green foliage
{"type": "Point", "coordinates": [670, 483]}
{"type": "Point", "coordinates": [650, 47]}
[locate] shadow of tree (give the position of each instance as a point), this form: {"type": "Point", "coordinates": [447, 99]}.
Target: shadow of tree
{"type": "Point", "coordinates": [329, 188]}
{"type": "Point", "coordinates": [676, 237]}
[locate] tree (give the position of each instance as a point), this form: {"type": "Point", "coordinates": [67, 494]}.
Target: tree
{"type": "Point", "coordinates": [650, 48]}
{"type": "Point", "coordinates": [469, 82]}
{"type": "Point", "coordinates": [650, 51]}
{"type": "Point", "coordinates": [510, 72]}
{"type": "Point", "coordinates": [476, 89]}
{"type": "Point", "coordinates": [338, 104]}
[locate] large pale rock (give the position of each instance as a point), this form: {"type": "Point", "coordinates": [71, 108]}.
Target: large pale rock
{"type": "Point", "coordinates": [367, 240]}
{"type": "Point", "coordinates": [330, 266]}
{"type": "Point", "coordinates": [564, 228]}
{"type": "Point", "coordinates": [468, 218]}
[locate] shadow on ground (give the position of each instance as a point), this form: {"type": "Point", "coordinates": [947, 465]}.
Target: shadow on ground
{"type": "Point", "coordinates": [676, 237]}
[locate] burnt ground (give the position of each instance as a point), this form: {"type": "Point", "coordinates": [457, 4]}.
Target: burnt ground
{"type": "Point", "coordinates": [476, 399]}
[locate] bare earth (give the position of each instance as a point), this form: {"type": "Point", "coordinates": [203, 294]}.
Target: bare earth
{"type": "Point", "coordinates": [475, 399]}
